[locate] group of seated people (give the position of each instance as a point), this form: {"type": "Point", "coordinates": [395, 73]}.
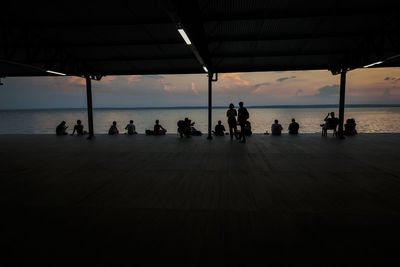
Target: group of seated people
{"type": "Point", "coordinates": [219, 129]}
{"type": "Point", "coordinates": [186, 128]}
{"type": "Point", "coordinates": [331, 123]}
{"type": "Point", "coordinates": [61, 129]}
{"type": "Point", "coordinates": [276, 128]}
{"type": "Point", "coordinates": [131, 129]}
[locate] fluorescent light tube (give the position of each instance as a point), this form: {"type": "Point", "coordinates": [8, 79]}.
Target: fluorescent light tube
{"type": "Point", "coordinates": [373, 64]}
{"type": "Point", "coordinates": [55, 72]}
{"type": "Point", "coordinates": [205, 69]}
{"type": "Point", "coordinates": [184, 36]}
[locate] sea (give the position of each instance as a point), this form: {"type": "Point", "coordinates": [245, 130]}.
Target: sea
{"type": "Point", "coordinates": [369, 118]}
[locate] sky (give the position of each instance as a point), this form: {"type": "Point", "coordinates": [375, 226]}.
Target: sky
{"type": "Point", "coordinates": [363, 86]}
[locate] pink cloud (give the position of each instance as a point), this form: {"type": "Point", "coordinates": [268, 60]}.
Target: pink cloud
{"type": "Point", "coordinates": [194, 90]}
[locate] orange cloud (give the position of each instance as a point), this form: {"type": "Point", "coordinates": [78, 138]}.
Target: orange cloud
{"type": "Point", "coordinates": [229, 80]}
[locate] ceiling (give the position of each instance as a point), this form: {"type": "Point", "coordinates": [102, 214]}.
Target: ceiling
{"type": "Point", "coordinates": [132, 37]}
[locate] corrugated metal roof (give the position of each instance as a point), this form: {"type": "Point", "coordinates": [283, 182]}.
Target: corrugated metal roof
{"type": "Point", "coordinates": [229, 36]}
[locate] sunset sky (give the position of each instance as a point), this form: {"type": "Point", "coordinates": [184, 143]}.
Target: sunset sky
{"type": "Point", "coordinates": [364, 86]}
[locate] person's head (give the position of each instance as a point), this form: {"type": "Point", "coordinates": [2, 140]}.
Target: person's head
{"type": "Point", "coordinates": [131, 121]}
{"type": "Point", "coordinates": [63, 123]}
{"type": "Point", "coordinates": [114, 123]}
{"type": "Point", "coordinates": [78, 122]}
{"type": "Point", "coordinates": [293, 120]}
{"type": "Point", "coordinates": [332, 114]}
{"type": "Point", "coordinates": [219, 122]}
{"type": "Point", "coordinates": [231, 106]}
{"type": "Point", "coordinates": [157, 121]}
{"type": "Point", "coordinates": [186, 119]}
{"type": "Point", "coordinates": [276, 121]}
{"type": "Point", "coordinates": [241, 104]}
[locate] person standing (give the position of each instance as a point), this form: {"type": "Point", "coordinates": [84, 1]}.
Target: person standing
{"type": "Point", "coordinates": [231, 114]}
{"type": "Point", "coordinates": [243, 116]}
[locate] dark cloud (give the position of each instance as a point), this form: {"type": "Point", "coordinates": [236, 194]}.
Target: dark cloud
{"type": "Point", "coordinates": [298, 92]}
{"type": "Point", "coordinates": [328, 90]}
{"type": "Point", "coordinates": [285, 78]}
{"type": "Point", "coordinates": [260, 84]}
{"type": "Point", "coordinates": [392, 79]}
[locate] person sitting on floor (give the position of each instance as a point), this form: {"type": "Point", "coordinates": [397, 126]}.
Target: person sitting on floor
{"type": "Point", "coordinates": [185, 127]}
{"type": "Point", "coordinates": [158, 129]}
{"type": "Point", "coordinates": [78, 128]}
{"type": "Point", "coordinates": [131, 128]}
{"type": "Point", "coordinates": [276, 128]}
{"type": "Point", "coordinates": [61, 129]}
{"type": "Point", "coordinates": [219, 129]}
{"type": "Point", "coordinates": [113, 129]}
{"type": "Point", "coordinates": [247, 128]}
{"type": "Point", "coordinates": [293, 127]}
{"type": "Point", "coordinates": [350, 127]}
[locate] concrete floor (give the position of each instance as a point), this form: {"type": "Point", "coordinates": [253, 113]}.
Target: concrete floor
{"type": "Point", "coordinates": [122, 200]}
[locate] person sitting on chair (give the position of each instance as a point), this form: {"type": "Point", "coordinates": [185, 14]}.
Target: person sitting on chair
{"type": "Point", "coordinates": [219, 129]}
{"type": "Point", "coordinates": [276, 128]}
{"type": "Point", "coordinates": [78, 128]}
{"type": "Point", "coordinates": [330, 123]}
{"type": "Point", "coordinates": [293, 127]}
{"type": "Point", "coordinates": [158, 129]}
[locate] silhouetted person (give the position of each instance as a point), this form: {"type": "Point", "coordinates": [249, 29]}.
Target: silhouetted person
{"type": "Point", "coordinates": [231, 113]}
{"type": "Point", "coordinates": [185, 127]}
{"type": "Point", "coordinates": [350, 127]}
{"type": "Point", "coordinates": [294, 127]}
{"type": "Point", "coordinates": [158, 129]}
{"type": "Point", "coordinates": [219, 129]}
{"type": "Point", "coordinates": [113, 129]}
{"type": "Point", "coordinates": [276, 128]}
{"type": "Point", "coordinates": [131, 128]}
{"type": "Point", "coordinates": [330, 123]}
{"type": "Point", "coordinates": [243, 115]}
{"type": "Point", "coordinates": [61, 129]}
{"type": "Point", "coordinates": [247, 129]}
{"type": "Point", "coordinates": [78, 128]}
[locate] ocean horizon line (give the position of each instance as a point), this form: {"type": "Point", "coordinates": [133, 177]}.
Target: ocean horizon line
{"type": "Point", "coordinates": [214, 107]}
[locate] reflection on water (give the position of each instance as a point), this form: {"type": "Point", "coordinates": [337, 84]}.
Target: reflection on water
{"type": "Point", "coordinates": [368, 119]}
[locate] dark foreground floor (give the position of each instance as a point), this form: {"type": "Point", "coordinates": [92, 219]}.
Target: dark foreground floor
{"type": "Point", "coordinates": [141, 201]}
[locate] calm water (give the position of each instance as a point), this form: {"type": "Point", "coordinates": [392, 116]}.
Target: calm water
{"type": "Point", "coordinates": [368, 119]}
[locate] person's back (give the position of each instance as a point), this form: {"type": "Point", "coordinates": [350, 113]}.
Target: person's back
{"type": "Point", "coordinates": [276, 128]}
{"type": "Point", "coordinates": [219, 129]}
{"type": "Point", "coordinates": [131, 128]}
{"type": "Point", "coordinates": [113, 129]}
{"type": "Point", "coordinates": [158, 129]}
{"type": "Point", "coordinates": [294, 127]}
{"type": "Point", "coordinates": [243, 115]}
